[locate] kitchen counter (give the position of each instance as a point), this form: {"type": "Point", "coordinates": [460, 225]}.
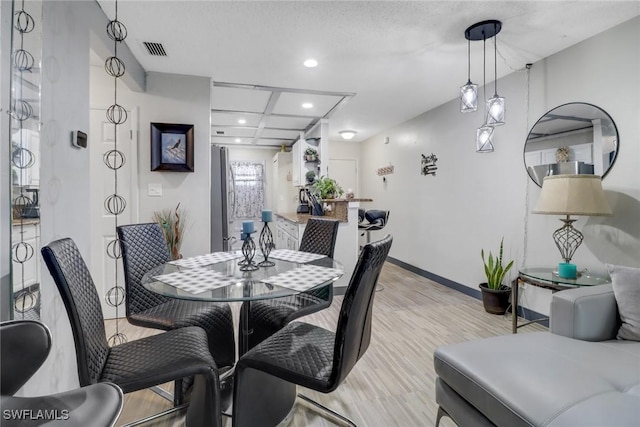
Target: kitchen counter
{"type": "Point", "coordinates": [26, 221]}
{"type": "Point", "coordinates": [294, 217]}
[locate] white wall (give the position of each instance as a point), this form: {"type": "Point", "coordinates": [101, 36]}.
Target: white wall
{"type": "Point", "coordinates": [440, 223]}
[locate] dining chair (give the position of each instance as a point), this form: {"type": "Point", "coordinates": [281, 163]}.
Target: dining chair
{"type": "Point", "coordinates": [24, 346]}
{"type": "Point", "coordinates": [269, 316]}
{"type": "Point", "coordinates": [143, 248]}
{"type": "Point", "coordinates": [133, 365]}
{"type": "Point", "coordinates": [308, 355]}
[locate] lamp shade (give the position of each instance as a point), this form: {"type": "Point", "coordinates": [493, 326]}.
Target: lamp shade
{"type": "Point", "coordinates": [572, 195]}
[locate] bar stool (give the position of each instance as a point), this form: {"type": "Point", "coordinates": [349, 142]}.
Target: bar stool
{"type": "Point", "coordinates": [376, 220]}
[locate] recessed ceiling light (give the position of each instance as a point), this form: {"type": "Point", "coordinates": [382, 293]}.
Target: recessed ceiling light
{"type": "Point", "coordinates": [307, 105]}
{"type": "Point", "coordinates": [238, 140]}
{"type": "Point", "coordinates": [242, 121]}
{"type": "Point", "coordinates": [347, 134]}
{"type": "Point", "coordinates": [310, 63]}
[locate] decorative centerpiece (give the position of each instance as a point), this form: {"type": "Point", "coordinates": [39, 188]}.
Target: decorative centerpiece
{"type": "Point", "coordinates": [266, 239]}
{"type": "Point", "coordinates": [248, 247]}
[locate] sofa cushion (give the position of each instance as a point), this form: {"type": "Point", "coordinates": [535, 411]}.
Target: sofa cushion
{"type": "Point", "coordinates": [626, 288]}
{"type": "Point", "coordinates": [542, 379]}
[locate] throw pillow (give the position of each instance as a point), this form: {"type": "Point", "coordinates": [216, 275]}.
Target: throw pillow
{"type": "Point", "coordinates": [626, 288]}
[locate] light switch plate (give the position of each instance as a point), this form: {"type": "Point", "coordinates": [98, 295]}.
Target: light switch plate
{"type": "Point", "coordinates": [154, 190]}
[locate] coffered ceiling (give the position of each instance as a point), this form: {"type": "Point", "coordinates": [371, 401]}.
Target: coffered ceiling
{"type": "Point", "coordinates": [380, 62]}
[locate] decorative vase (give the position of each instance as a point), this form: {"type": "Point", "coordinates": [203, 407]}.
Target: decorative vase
{"type": "Point", "coordinates": [495, 301]}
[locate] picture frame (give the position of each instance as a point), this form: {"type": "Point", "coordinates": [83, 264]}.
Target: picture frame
{"type": "Point", "coordinates": [171, 147]}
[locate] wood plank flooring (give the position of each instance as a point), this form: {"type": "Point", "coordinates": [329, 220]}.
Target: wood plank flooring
{"type": "Point", "coordinates": [393, 383]}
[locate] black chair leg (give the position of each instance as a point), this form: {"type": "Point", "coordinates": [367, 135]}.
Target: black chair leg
{"type": "Point", "coordinates": [441, 413]}
{"type": "Point", "coordinates": [178, 396]}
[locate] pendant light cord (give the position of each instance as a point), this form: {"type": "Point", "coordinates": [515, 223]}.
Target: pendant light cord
{"type": "Point", "coordinates": [495, 61]}
{"type": "Point", "coordinates": [484, 75]}
{"type": "Point", "coordinates": [468, 61]}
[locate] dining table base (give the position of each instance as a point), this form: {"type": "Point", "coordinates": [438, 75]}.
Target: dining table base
{"type": "Point", "coordinates": [263, 400]}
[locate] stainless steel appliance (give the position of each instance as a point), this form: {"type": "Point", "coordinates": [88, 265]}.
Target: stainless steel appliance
{"type": "Point", "coordinates": [222, 200]}
{"type": "Point", "coordinates": [303, 207]}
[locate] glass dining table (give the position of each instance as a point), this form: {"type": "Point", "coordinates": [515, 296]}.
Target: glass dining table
{"type": "Point", "coordinates": [218, 277]}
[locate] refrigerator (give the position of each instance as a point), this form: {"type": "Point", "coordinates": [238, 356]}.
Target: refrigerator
{"type": "Point", "coordinates": [223, 201]}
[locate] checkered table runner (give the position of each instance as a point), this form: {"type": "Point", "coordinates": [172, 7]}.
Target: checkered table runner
{"type": "Point", "coordinates": [304, 277]}
{"type": "Point", "coordinates": [196, 280]}
{"type": "Point", "coordinates": [294, 256]}
{"type": "Point", "coordinates": [203, 260]}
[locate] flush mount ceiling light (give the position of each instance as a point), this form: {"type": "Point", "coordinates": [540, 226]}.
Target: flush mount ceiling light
{"type": "Point", "coordinates": [242, 121]}
{"type": "Point", "coordinates": [310, 63]}
{"type": "Point", "coordinates": [347, 134]}
{"type": "Point", "coordinates": [307, 105]}
{"type": "Point", "coordinates": [238, 140]}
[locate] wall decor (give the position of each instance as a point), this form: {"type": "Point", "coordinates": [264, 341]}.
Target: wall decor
{"type": "Point", "coordinates": [171, 147]}
{"type": "Point", "coordinates": [114, 159]}
{"type": "Point", "coordinates": [387, 170]}
{"type": "Point", "coordinates": [429, 164]}
{"type": "Point", "coordinates": [24, 113]}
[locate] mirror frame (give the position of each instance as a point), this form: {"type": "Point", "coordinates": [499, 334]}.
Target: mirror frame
{"type": "Point", "coordinates": [604, 113]}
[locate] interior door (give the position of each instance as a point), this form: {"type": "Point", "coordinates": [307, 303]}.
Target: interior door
{"type": "Point", "coordinates": [101, 140]}
{"type": "Point", "coordinates": [345, 172]}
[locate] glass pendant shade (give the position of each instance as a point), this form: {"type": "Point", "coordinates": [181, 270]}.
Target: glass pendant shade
{"type": "Point", "coordinates": [495, 111]}
{"type": "Point", "coordinates": [483, 139]}
{"type": "Point", "coordinates": [469, 97]}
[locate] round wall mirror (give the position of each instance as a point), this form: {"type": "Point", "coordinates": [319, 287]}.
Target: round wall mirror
{"type": "Point", "coordinates": [575, 138]}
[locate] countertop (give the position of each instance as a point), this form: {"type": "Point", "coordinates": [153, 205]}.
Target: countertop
{"type": "Point", "coordinates": [356, 199]}
{"type": "Point", "coordinates": [26, 221]}
{"type": "Point", "coordinates": [294, 217]}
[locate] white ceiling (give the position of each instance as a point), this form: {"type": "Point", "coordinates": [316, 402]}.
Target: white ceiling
{"type": "Point", "coordinates": [399, 58]}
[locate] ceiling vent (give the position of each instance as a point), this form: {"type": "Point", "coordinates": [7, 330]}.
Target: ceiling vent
{"type": "Point", "coordinates": [155, 49]}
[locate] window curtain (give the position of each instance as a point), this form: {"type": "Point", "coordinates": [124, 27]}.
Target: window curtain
{"type": "Point", "coordinates": [249, 186]}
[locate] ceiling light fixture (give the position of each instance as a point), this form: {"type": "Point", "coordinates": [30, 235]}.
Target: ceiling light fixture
{"type": "Point", "coordinates": [242, 121]}
{"type": "Point", "coordinates": [307, 105]}
{"type": "Point", "coordinates": [494, 107]}
{"type": "Point", "coordinates": [347, 134]}
{"type": "Point", "coordinates": [238, 140]}
{"type": "Point", "coordinates": [310, 63]}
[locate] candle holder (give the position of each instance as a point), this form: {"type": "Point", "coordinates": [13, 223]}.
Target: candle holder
{"type": "Point", "coordinates": [266, 244]}
{"type": "Point", "coordinates": [248, 251]}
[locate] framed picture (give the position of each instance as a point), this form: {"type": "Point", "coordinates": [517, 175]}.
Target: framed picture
{"type": "Point", "coordinates": [171, 147]}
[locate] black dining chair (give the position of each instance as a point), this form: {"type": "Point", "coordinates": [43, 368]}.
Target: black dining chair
{"type": "Point", "coordinates": [376, 219]}
{"type": "Point", "coordinates": [309, 355]}
{"type": "Point", "coordinates": [133, 365]}
{"type": "Point", "coordinates": [24, 346]}
{"type": "Point", "coordinates": [143, 248]}
{"type": "Point", "coordinates": [269, 316]}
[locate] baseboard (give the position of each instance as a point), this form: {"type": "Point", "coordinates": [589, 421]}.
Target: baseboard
{"type": "Point", "coordinates": [524, 312]}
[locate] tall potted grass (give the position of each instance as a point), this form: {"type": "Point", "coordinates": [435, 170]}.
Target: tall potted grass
{"type": "Point", "coordinates": [495, 294]}
{"type": "Point", "coordinates": [172, 223]}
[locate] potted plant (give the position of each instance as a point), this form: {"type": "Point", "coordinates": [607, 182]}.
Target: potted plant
{"type": "Point", "coordinates": [495, 294]}
{"type": "Point", "coordinates": [327, 188]}
{"type": "Point", "coordinates": [311, 154]}
{"type": "Point", "coordinates": [311, 176]}
{"type": "Point", "coordinates": [173, 228]}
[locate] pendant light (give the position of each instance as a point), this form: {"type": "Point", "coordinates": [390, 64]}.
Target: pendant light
{"type": "Point", "coordinates": [484, 134]}
{"type": "Point", "coordinates": [495, 105]}
{"type": "Point", "coordinates": [468, 92]}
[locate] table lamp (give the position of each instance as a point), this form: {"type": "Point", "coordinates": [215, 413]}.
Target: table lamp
{"type": "Point", "coordinates": [571, 195]}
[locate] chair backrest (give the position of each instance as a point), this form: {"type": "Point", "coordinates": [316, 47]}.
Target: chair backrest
{"type": "Point", "coordinates": [353, 332]}
{"type": "Point", "coordinates": [24, 346]}
{"type": "Point", "coordinates": [377, 217]}
{"type": "Point", "coordinates": [319, 236]}
{"type": "Point", "coordinates": [143, 248]}
{"type": "Point", "coordinates": [82, 302]}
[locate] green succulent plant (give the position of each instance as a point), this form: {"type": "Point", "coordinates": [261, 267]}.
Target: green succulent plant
{"type": "Point", "coordinates": [493, 268]}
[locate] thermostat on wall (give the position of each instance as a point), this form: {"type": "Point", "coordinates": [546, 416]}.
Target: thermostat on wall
{"type": "Point", "coordinates": [79, 139]}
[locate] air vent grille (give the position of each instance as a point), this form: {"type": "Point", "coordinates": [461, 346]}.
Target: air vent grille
{"type": "Point", "coordinates": [155, 49]}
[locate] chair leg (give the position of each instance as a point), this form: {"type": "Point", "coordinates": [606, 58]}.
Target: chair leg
{"type": "Point", "coordinates": [441, 413]}
{"type": "Point", "coordinates": [328, 410]}
{"type": "Point", "coordinates": [178, 397]}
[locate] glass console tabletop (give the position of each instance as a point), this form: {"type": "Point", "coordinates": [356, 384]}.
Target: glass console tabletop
{"type": "Point", "coordinates": [243, 285]}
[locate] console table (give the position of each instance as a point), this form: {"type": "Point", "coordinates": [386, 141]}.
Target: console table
{"type": "Point", "coordinates": [545, 277]}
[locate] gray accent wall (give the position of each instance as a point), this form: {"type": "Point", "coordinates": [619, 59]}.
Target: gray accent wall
{"type": "Point", "coordinates": [440, 223]}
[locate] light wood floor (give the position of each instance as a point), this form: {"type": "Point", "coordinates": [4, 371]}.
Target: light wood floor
{"type": "Point", "coordinates": [393, 383]}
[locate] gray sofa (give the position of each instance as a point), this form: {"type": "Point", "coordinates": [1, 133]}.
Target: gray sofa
{"type": "Point", "coordinates": [577, 374]}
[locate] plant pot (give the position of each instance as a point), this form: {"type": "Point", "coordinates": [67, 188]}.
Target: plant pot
{"type": "Point", "coordinates": [495, 301]}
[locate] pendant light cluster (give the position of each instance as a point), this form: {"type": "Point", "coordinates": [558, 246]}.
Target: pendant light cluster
{"type": "Point", "coordinates": [114, 159]}
{"type": "Point", "coordinates": [494, 106]}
